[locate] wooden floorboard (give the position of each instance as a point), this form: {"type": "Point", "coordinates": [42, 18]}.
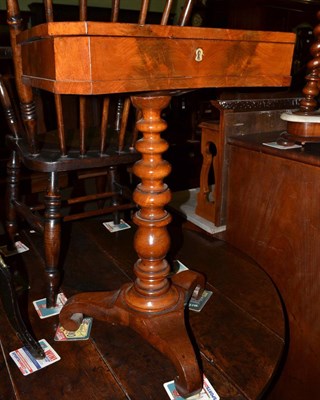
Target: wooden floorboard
{"type": "Point", "coordinates": [7, 391]}
{"type": "Point", "coordinates": [239, 333]}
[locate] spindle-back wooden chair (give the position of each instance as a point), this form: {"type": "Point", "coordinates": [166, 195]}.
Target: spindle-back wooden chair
{"type": "Point", "coordinates": [89, 152]}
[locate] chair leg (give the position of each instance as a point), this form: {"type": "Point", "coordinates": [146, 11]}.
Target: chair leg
{"type": "Point", "coordinates": [52, 238]}
{"type": "Point", "coordinates": [11, 307]}
{"type": "Point", "coordinates": [12, 193]}
{"type": "Point", "coordinates": [112, 179]}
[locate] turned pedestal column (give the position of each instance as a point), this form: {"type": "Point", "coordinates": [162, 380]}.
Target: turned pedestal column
{"type": "Point", "coordinates": [154, 304]}
{"type": "Point", "coordinates": [304, 125]}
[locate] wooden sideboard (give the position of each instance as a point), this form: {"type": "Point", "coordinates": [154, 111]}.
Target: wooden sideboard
{"type": "Point", "coordinates": [274, 217]}
{"type": "Point", "coordinates": [240, 115]}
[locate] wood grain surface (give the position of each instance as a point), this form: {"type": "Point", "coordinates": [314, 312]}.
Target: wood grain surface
{"type": "Point", "coordinates": [239, 333]}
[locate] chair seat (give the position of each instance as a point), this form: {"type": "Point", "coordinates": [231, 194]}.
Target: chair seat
{"type": "Point", "coordinates": [49, 158]}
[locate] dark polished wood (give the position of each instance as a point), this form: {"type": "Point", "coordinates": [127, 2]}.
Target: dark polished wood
{"type": "Point", "coordinates": [239, 114]}
{"type": "Point", "coordinates": [300, 132]}
{"type": "Point", "coordinates": [59, 152]}
{"type": "Point", "coordinates": [311, 91]}
{"type": "Point", "coordinates": [154, 305]}
{"type": "Point", "coordinates": [117, 58]}
{"type": "Point", "coordinates": [273, 216]}
{"type": "Point", "coordinates": [10, 305]}
{"type": "Point", "coordinates": [306, 125]}
{"type": "Point", "coordinates": [241, 327]}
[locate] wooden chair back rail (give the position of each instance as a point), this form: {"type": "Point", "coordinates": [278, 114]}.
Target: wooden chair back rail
{"type": "Point", "coordinates": [82, 99]}
{"type": "Point", "coordinates": [49, 14]}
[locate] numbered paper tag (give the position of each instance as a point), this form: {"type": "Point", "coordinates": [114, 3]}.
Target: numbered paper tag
{"type": "Point", "coordinates": [198, 304]}
{"type": "Point", "coordinates": [44, 312]}
{"type": "Point", "coordinates": [19, 248]}
{"type": "Point", "coordinates": [194, 304]}
{"type": "Point", "coordinates": [83, 333]}
{"type": "Point", "coordinates": [207, 392]}
{"type": "Point", "coordinates": [178, 267]}
{"type": "Point", "coordinates": [116, 227]}
{"type": "Point", "coordinates": [28, 364]}
{"type": "Point", "coordinates": [281, 147]}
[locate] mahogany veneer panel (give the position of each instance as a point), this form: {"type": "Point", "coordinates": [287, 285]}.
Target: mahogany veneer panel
{"type": "Point", "coordinates": [274, 217]}
{"type": "Point", "coordinates": [127, 58]}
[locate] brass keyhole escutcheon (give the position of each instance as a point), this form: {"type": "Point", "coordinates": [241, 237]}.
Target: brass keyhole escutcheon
{"type": "Point", "coordinates": [199, 54]}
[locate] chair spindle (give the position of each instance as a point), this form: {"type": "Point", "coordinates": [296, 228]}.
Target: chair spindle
{"type": "Point", "coordinates": [48, 10]}
{"type": "Point", "coordinates": [143, 11]}
{"type": "Point", "coordinates": [186, 13]}
{"type": "Point", "coordinates": [104, 124]}
{"type": "Point", "coordinates": [115, 10]}
{"type": "Point", "coordinates": [61, 134]}
{"type": "Point", "coordinates": [83, 10]}
{"type": "Point", "coordinates": [166, 12]}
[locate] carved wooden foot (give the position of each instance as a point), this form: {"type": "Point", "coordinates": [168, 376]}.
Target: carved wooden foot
{"type": "Point", "coordinates": [154, 304]}
{"type": "Point", "coordinates": [165, 330]}
{"type": "Point", "coordinates": [10, 305]}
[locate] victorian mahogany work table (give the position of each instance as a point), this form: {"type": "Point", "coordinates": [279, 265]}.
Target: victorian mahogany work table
{"type": "Point", "coordinates": [151, 63]}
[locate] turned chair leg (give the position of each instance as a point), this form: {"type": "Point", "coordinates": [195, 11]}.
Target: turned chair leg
{"type": "Point", "coordinates": [12, 193]}
{"type": "Point", "coordinates": [112, 184]}
{"type": "Point", "coordinates": [52, 238]}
